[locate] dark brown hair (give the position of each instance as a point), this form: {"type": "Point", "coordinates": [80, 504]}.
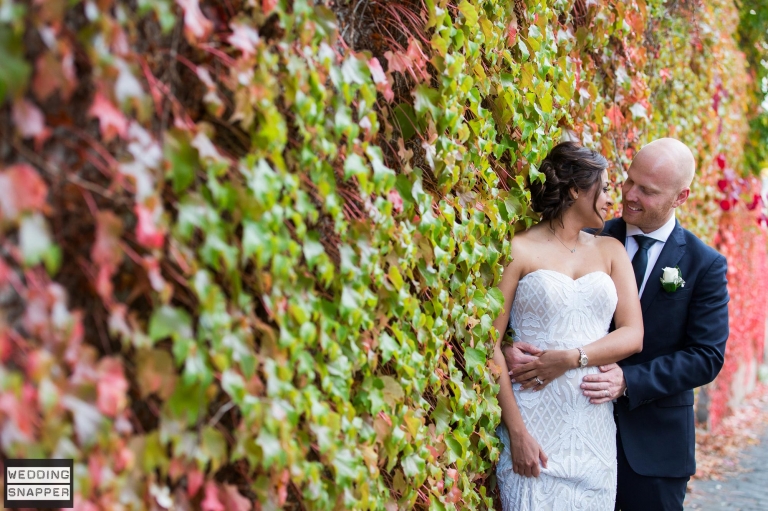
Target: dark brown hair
{"type": "Point", "coordinates": [568, 165]}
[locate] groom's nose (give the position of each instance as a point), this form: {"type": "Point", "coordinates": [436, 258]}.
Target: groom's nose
{"type": "Point", "coordinates": [628, 193]}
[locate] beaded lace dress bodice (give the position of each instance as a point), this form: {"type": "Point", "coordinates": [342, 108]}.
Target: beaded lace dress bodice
{"type": "Point", "coordinates": [553, 311]}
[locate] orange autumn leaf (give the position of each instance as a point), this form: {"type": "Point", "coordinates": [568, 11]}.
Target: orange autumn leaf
{"type": "Point", "coordinates": [615, 116]}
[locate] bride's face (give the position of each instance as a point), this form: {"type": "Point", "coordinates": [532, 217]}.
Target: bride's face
{"type": "Point", "coordinates": [593, 205]}
{"type": "Point", "coordinates": [603, 203]}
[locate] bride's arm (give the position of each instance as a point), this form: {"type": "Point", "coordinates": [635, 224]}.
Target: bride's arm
{"type": "Point", "coordinates": [526, 452]}
{"type": "Point", "coordinates": [624, 341]}
{"type": "Point", "coordinates": [627, 337]}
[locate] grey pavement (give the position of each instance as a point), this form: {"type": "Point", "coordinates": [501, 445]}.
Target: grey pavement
{"type": "Point", "coordinates": [747, 491]}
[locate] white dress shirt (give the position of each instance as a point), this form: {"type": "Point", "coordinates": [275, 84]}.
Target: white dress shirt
{"type": "Point", "coordinates": [661, 235]}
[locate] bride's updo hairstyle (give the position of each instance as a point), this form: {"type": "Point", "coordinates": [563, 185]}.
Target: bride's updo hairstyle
{"type": "Point", "coordinates": [568, 165]}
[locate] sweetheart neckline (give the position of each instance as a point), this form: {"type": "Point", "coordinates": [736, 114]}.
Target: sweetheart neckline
{"type": "Point", "coordinates": [564, 275]}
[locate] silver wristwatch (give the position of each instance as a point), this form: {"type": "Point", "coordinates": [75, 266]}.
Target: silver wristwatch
{"type": "Point", "coordinates": [583, 359]}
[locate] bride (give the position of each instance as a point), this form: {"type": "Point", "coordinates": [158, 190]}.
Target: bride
{"type": "Point", "coordinates": [561, 291]}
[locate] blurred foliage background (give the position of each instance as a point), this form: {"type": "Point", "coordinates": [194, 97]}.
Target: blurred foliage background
{"type": "Point", "coordinates": [249, 248]}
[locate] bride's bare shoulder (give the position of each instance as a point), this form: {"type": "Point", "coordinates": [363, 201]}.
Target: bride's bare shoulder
{"type": "Point", "coordinates": [610, 246]}
{"type": "Point", "coordinates": [525, 241]}
{"type": "Point", "coordinates": [522, 247]}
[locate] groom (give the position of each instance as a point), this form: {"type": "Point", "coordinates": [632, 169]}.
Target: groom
{"type": "Point", "coordinates": [685, 333]}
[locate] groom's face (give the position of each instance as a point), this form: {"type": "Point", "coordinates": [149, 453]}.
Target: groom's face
{"type": "Point", "coordinates": [648, 195]}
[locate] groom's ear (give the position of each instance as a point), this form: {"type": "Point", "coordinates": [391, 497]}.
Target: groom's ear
{"type": "Point", "coordinates": [681, 197]}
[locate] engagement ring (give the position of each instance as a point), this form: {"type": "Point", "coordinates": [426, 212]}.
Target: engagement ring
{"type": "Point", "coordinates": [539, 381]}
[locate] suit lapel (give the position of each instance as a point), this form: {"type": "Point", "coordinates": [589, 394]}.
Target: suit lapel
{"type": "Point", "coordinates": [670, 255]}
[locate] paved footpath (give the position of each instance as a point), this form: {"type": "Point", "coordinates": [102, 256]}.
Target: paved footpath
{"type": "Point", "coordinates": [747, 491]}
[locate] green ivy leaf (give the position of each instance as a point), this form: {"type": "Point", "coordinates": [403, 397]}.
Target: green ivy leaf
{"type": "Point", "coordinates": [14, 69]}
{"type": "Point", "coordinates": [441, 416]}
{"type": "Point", "coordinates": [346, 465]}
{"type": "Point", "coordinates": [474, 358]}
{"type": "Point", "coordinates": [427, 100]}
{"type": "Point", "coordinates": [414, 466]}
{"type": "Point", "coordinates": [388, 346]}
{"type": "Point", "coordinates": [469, 12]}
{"type": "Point", "coordinates": [182, 157]}
{"type": "Point", "coordinates": [546, 102]}
{"type": "Point", "coordinates": [214, 447]}
{"type": "Point", "coordinates": [167, 321]}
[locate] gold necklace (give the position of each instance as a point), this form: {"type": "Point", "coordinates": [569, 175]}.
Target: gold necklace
{"type": "Point", "coordinates": [571, 250]}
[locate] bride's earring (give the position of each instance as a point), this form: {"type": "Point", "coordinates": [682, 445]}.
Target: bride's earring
{"type": "Point", "coordinates": [574, 193]}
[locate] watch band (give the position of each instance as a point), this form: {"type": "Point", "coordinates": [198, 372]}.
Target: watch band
{"type": "Point", "coordinates": [583, 359]}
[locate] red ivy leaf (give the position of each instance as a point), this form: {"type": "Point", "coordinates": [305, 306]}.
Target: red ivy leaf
{"type": "Point", "coordinates": [106, 249]}
{"type": "Point", "coordinates": [194, 482]}
{"type": "Point", "coordinates": [111, 387]}
{"type": "Point", "coordinates": [511, 34]}
{"type": "Point", "coordinates": [396, 200]}
{"type": "Point", "coordinates": [20, 411]}
{"type": "Point", "coordinates": [211, 501]}
{"type": "Point", "coordinates": [95, 466]}
{"type": "Point", "coordinates": [147, 231]}
{"type": "Point", "coordinates": [21, 189]}
{"type": "Point", "coordinates": [615, 116]}
{"type": "Point", "coordinates": [268, 5]}
{"type": "Point", "coordinates": [233, 501]}
{"type": "Point", "coordinates": [54, 72]}
{"type": "Point", "coordinates": [111, 119]}
{"type": "Point", "coordinates": [196, 26]}
{"type": "Point", "coordinates": [380, 79]}
{"type": "Point", "coordinates": [85, 505]}
{"type": "Point", "coordinates": [721, 161]}
{"type": "Point", "coordinates": [28, 119]}
{"type": "Point", "coordinates": [418, 58]}
{"type": "Point", "coordinates": [244, 38]}
{"type": "Point", "coordinates": [412, 62]}
{"type": "Point", "coordinates": [454, 494]}
{"type": "Point", "coordinates": [6, 346]}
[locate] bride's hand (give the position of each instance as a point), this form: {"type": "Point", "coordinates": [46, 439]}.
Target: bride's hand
{"type": "Point", "coordinates": [526, 455]}
{"type": "Point", "coordinates": [548, 366]}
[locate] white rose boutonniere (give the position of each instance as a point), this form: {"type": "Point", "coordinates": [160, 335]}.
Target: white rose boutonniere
{"type": "Point", "coordinates": [672, 279]}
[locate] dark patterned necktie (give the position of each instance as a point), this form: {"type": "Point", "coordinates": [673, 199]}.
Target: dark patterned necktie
{"type": "Point", "coordinates": [640, 261]}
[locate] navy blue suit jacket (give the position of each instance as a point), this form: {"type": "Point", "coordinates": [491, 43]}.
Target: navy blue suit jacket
{"type": "Point", "coordinates": [683, 348]}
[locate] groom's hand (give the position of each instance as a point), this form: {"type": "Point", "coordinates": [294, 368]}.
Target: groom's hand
{"type": "Point", "coordinates": [519, 354]}
{"type": "Point", "coordinates": [604, 386]}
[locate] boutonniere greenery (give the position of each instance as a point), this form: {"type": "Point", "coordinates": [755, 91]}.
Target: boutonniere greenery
{"type": "Point", "coordinates": [672, 279]}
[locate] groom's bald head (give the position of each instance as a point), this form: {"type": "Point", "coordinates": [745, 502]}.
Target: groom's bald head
{"type": "Point", "coordinates": [672, 158]}
{"type": "Point", "coordinates": [658, 181]}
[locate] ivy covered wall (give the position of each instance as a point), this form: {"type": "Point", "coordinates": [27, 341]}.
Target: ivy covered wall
{"type": "Point", "coordinates": [249, 250]}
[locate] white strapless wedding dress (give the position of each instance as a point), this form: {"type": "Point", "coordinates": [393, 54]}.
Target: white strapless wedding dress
{"type": "Point", "coordinates": [553, 311]}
